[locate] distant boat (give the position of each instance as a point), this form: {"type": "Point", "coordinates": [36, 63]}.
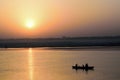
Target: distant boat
{"type": "Point", "coordinates": [86, 67]}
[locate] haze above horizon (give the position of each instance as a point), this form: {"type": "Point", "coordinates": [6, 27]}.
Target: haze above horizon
{"type": "Point", "coordinates": [56, 18]}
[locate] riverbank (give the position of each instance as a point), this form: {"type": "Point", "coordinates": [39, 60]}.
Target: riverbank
{"type": "Point", "coordinates": [60, 42]}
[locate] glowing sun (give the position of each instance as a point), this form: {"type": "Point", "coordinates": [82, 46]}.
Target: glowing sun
{"type": "Point", "coordinates": [30, 24]}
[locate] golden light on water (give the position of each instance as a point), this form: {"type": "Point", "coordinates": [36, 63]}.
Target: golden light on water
{"type": "Point", "coordinates": [30, 64]}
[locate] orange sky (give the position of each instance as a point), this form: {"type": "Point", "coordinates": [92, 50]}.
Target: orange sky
{"type": "Point", "coordinates": [56, 18]}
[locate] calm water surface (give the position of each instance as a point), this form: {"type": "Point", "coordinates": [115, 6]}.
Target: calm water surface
{"type": "Point", "coordinates": [53, 64]}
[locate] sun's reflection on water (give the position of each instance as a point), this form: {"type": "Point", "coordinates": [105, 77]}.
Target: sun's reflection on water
{"type": "Point", "coordinates": [30, 64]}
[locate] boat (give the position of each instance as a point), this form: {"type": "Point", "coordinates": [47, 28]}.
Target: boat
{"type": "Point", "coordinates": [86, 67]}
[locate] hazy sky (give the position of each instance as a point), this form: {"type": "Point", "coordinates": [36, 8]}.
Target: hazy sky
{"type": "Point", "coordinates": [55, 18]}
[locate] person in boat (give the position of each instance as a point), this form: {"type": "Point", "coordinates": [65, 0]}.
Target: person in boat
{"type": "Point", "coordinates": [76, 65]}
{"type": "Point", "coordinates": [83, 65]}
{"type": "Point", "coordinates": [86, 65]}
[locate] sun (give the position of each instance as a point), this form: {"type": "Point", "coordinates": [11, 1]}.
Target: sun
{"type": "Point", "coordinates": [29, 24]}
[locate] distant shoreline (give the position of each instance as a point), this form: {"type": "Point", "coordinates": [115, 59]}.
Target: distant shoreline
{"type": "Point", "coordinates": [61, 42]}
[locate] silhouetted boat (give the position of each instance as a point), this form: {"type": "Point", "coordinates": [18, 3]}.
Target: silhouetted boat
{"type": "Point", "coordinates": [80, 67]}
{"type": "Point", "coordinates": [83, 67]}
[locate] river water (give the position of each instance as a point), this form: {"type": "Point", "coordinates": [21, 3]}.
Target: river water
{"type": "Point", "coordinates": [56, 64]}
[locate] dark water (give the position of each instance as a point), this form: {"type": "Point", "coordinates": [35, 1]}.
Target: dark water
{"type": "Point", "coordinates": [53, 64]}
